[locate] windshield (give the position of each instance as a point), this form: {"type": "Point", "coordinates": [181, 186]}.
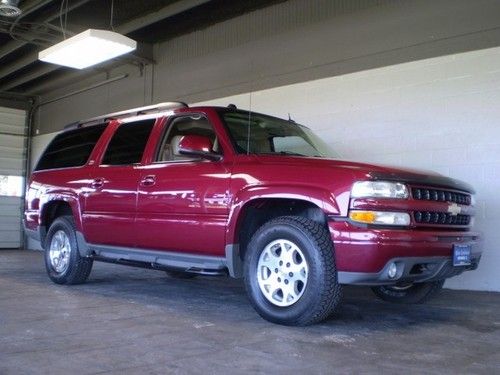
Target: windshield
{"type": "Point", "coordinates": [254, 133]}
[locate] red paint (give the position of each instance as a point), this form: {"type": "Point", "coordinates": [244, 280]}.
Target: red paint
{"type": "Point", "coordinates": [197, 143]}
{"type": "Point", "coordinates": [195, 206]}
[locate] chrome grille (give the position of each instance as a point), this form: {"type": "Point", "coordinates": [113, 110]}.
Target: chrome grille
{"type": "Point", "coordinates": [439, 195]}
{"type": "Point", "coordinates": [443, 218]}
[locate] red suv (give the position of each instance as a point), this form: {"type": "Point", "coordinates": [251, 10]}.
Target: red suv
{"type": "Point", "coordinates": [221, 191]}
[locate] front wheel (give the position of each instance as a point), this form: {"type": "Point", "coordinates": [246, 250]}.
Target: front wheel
{"type": "Point", "coordinates": [62, 259]}
{"type": "Point", "coordinates": [290, 273]}
{"type": "Point", "coordinates": [410, 293]}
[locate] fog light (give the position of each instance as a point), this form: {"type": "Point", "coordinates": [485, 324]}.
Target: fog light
{"type": "Point", "coordinates": [392, 271]}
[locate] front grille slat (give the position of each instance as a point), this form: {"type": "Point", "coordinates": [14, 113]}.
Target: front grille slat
{"type": "Point", "coordinates": [440, 218]}
{"type": "Point", "coordinates": [438, 195]}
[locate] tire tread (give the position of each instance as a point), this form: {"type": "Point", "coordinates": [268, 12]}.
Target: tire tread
{"type": "Point", "coordinates": [80, 267]}
{"type": "Point", "coordinates": [422, 293]}
{"type": "Point", "coordinates": [331, 293]}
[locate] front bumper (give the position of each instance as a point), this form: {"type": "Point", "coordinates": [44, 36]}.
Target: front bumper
{"type": "Point", "coordinates": [363, 255]}
{"type": "Point", "coordinates": [409, 270]}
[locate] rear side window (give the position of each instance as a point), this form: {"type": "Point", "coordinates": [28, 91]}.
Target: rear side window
{"type": "Point", "coordinates": [71, 148]}
{"type": "Point", "coordinates": [128, 143]}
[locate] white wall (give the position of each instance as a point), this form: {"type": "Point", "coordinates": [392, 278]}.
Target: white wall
{"type": "Point", "coordinates": [440, 114]}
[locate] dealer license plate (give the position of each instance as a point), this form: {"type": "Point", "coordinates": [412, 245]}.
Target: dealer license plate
{"type": "Point", "coordinates": [461, 255]}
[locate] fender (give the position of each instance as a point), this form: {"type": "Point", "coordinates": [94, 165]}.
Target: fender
{"type": "Point", "coordinates": [322, 198]}
{"type": "Point", "coordinates": [74, 202]}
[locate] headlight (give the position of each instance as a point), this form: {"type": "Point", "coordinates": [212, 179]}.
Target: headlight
{"type": "Point", "coordinates": [379, 189]}
{"type": "Point", "coordinates": [380, 217]}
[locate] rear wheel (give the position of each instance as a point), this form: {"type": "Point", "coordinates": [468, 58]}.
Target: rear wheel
{"type": "Point", "coordinates": [410, 293]}
{"type": "Point", "coordinates": [62, 259]}
{"type": "Point", "coordinates": [290, 273]}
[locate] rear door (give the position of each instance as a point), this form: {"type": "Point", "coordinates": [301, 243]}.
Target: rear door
{"type": "Point", "coordinates": [110, 205]}
{"type": "Point", "coordinates": [183, 202]}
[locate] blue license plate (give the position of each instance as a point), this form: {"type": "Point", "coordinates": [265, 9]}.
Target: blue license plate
{"type": "Point", "coordinates": [461, 255]}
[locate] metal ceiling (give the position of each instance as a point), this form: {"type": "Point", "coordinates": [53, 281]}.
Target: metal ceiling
{"type": "Point", "coordinates": [148, 22]}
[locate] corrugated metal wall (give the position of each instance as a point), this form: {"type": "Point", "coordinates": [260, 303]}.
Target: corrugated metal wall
{"type": "Point", "coordinates": [12, 163]}
{"type": "Point", "coordinates": [283, 17]}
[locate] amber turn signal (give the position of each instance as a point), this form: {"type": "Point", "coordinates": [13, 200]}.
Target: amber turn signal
{"type": "Point", "coordinates": [380, 217]}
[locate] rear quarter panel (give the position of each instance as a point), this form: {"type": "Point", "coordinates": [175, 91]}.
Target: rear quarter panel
{"type": "Point", "coordinates": [68, 185]}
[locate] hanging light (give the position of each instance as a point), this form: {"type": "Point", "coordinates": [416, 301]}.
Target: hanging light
{"type": "Point", "coordinates": [88, 48]}
{"type": "Point", "coordinates": [9, 8]}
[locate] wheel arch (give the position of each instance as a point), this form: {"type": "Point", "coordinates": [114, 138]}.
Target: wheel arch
{"type": "Point", "coordinates": [254, 207]}
{"type": "Point", "coordinates": [55, 206]}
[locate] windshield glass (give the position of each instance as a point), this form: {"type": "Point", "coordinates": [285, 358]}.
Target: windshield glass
{"type": "Point", "coordinates": [254, 133]}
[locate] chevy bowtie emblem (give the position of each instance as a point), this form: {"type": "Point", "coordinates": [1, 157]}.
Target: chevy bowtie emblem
{"type": "Point", "coordinates": [454, 209]}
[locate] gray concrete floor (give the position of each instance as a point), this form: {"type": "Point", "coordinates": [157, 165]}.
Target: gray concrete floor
{"type": "Point", "coordinates": [128, 320]}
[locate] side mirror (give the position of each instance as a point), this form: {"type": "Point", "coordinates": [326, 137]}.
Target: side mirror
{"type": "Point", "coordinates": [197, 145]}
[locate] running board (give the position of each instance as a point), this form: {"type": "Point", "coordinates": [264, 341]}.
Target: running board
{"type": "Point", "coordinates": [163, 260]}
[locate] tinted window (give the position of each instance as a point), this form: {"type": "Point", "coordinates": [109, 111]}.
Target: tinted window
{"type": "Point", "coordinates": [128, 143]}
{"type": "Point", "coordinates": [71, 148]}
{"type": "Point", "coordinates": [255, 133]}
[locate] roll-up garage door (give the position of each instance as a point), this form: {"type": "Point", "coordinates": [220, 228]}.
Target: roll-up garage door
{"type": "Point", "coordinates": [12, 172]}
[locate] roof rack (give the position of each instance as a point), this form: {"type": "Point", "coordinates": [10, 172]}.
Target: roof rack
{"type": "Point", "coordinates": [155, 108]}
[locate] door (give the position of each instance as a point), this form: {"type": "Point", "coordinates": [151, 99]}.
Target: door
{"type": "Point", "coordinates": [183, 202]}
{"type": "Point", "coordinates": [110, 206]}
{"type": "Point", "coordinates": [12, 172]}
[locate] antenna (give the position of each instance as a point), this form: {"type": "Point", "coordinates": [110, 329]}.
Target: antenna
{"type": "Point", "coordinates": [250, 108]}
{"type": "Point", "coordinates": [249, 120]}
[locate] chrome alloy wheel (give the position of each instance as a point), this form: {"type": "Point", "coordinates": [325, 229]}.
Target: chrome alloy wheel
{"type": "Point", "coordinates": [59, 251]}
{"type": "Point", "coordinates": [282, 273]}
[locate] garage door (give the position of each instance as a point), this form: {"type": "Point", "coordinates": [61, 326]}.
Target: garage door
{"type": "Point", "coordinates": [12, 156]}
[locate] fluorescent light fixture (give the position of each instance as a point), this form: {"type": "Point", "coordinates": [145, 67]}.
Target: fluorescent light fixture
{"type": "Point", "coordinates": [88, 48]}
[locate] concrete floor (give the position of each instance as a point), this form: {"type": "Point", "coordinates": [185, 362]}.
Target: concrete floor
{"type": "Point", "coordinates": [127, 320]}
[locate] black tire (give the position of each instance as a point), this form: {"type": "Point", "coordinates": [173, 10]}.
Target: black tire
{"type": "Point", "coordinates": [78, 268]}
{"type": "Point", "coordinates": [180, 275]}
{"type": "Point", "coordinates": [411, 294]}
{"type": "Point", "coordinates": [321, 293]}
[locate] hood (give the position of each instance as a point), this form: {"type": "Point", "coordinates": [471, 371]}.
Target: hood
{"type": "Point", "coordinates": [374, 171]}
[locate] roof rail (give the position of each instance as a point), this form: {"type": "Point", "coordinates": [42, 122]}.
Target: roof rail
{"type": "Point", "coordinates": [155, 108]}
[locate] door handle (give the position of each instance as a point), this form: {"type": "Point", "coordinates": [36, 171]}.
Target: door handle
{"type": "Point", "coordinates": [148, 181]}
{"type": "Point", "coordinates": [97, 183]}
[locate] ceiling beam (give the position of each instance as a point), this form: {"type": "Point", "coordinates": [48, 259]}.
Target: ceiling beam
{"type": "Point", "coordinates": [11, 100]}
{"type": "Point", "coordinates": [126, 28]}
{"type": "Point", "coordinates": [11, 47]}
{"type": "Point", "coordinates": [16, 44]}
{"type": "Point", "coordinates": [30, 6]}
{"type": "Point", "coordinates": [36, 73]}
{"type": "Point", "coordinates": [18, 64]}
{"type": "Point", "coordinates": [11, 95]}
{"type": "Point", "coordinates": [165, 12]}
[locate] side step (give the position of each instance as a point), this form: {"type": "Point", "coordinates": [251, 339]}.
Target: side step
{"type": "Point", "coordinates": [162, 260]}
